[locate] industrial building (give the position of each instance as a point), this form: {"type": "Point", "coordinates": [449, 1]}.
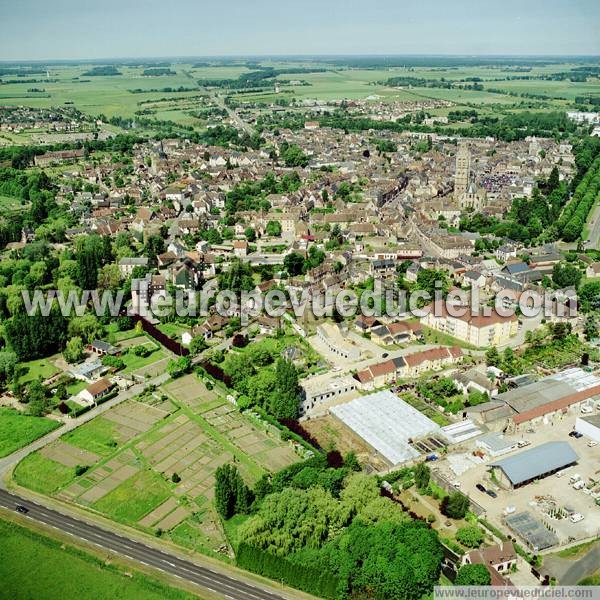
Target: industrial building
{"type": "Point", "coordinates": [541, 461]}
{"type": "Point", "coordinates": [540, 402]}
{"type": "Point", "coordinates": [589, 426]}
{"type": "Point", "coordinates": [387, 424]}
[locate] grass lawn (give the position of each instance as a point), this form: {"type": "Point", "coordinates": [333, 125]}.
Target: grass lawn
{"type": "Point", "coordinates": [74, 388]}
{"type": "Point", "coordinates": [577, 551]}
{"type": "Point", "coordinates": [135, 497]}
{"type": "Point", "coordinates": [42, 367]}
{"type": "Point", "coordinates": [133, 362]}
{"type": "Point", "coordinates": [41, 474]}
{"type": "Point", "coordinates": [18, 430]}
{"type": "Point", "coordinates": [592, 579]}
{"type": "Point", "coordinates": [97, 436]}
{"type": "Point", "coordinates": [173, 330]}
{"type": "Point", "coordinates": [439, 337]}
{"type": "Point", "coordinates": [10, 203]}
{"type": "Point", "coordinates": [35, 566]}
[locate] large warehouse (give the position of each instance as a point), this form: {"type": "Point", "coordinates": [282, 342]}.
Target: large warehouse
{"type": "Point", "coordinates": [541, 461]}
{"type": "Point", "coordinates": [540, 402]}
{"type": "Point", "coordinates": [386, 423]}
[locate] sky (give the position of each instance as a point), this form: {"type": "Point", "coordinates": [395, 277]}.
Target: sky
{"type": "Point", "coordinates": [80, 29]}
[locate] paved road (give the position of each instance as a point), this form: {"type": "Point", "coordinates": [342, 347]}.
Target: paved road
{"type": "Point", "coordinates": [582, 568]}
{"type": "Point", "coordinates": [147, 555]}
{"type": "Point", "coordinates": [594, 229]}
{"type": "Point", "coordinates": [220, 100]}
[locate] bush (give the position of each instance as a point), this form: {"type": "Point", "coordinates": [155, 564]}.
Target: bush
{"type": "Point", "coordinates": [470, 536]}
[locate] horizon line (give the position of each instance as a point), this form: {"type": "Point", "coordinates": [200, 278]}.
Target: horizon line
{"type": "Point", "coordinates": [297, 56]}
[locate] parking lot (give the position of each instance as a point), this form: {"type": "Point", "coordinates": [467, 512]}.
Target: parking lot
{"type": "Point", "coordinates": [542, 498]}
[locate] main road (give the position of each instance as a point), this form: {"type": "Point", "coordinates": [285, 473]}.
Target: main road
{"type": "Point", "coordinates": [214, 581]}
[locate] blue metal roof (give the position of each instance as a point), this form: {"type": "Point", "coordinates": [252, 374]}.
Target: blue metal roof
{"type": "Point", "coordinates": [536, 462]}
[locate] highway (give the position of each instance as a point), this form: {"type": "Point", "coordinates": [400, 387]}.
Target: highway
{"type": "Point", "coordinates": [147, 555]}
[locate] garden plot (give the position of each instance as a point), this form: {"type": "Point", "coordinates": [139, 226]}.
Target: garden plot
{"type": "Point", "coordinates": [153, 369]}
{"type": "Point", "coordinates": [68, 455]}
{"type": "Point", "coordinates": [102, 480]}
{"type": "Point", "coordinates": [140, 340]}
{"type": "Point", "coordinates": [251, 440]}
{"type": "Point", "coordinates": [191, 391]}
{"type": "Point", "coordinates": [132, 418]}
{"type": "Point", "coordinates": [183, 447]}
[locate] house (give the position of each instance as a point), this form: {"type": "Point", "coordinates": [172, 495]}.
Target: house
{"type": "Point", "coordinates": [505, 252]}
{"type": "Point", "coordinates": [128, 264]}
{"type": "Point", "coordinates": [103, 348]}
{"type": "Point", "coordinates": [240, 248]}
{"type": "Point", "coordinates": [499, 559]}
{"type": "Point", "coordinates": [593, 270]}
{"type": "Point", "coordinates": [96, 390]}
{"type": "Point", "coordinates": [430, 360]}
{"type": "Point", "coordinates": [474, 279]}
{"type": "Point", "coordinates": [88, 371]}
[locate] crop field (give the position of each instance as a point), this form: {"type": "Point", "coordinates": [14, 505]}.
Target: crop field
{"type": "Point", "coordinates": [35, 566]}
{"type": "Point", "coordinates": [150, 463]}
{"type": "Point", "coordinates": [18, 430]}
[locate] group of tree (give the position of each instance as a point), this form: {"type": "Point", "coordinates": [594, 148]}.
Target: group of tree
{"type": "Point", "coordinates": [232, 495]}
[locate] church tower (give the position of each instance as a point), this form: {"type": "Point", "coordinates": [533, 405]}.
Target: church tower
{"type": "Point", "coordinates": [462, 175]}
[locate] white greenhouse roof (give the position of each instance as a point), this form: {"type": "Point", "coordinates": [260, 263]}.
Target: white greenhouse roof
{"type": "Point", "coordinates": [386, 423]}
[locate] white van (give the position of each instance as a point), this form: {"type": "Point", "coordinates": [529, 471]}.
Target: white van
{"type": "Point", "coordinates": [579, 484]}
{"type": "Point", "coordinates": [575, 477]}
{"type": "Point", "coordinates": [576, 517]}
{"type": "Point", "coordinates": [586, 409]}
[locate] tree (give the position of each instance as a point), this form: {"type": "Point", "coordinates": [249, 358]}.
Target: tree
{"type": "Point", "coordinates": [422, 474]}
{"type": "Point", "coordinates": [565, 274]}
{"type": "Point", "coordinates": [36, 399]}
{"type": "Point", "coordinates": [432, 280]}
{"type": "Point", "coordinates": [455, 505]}
{"type": "Point", "coordinates": [273, 228]}
{"type": "Point", "coordinates": [237, 278]}
{"type": "Point", "coordinates": [198, 344]}
{"type": "Point", "coordinates": [177, 367]}
{"type": "Point", "coordinates": [8, 366]}
{"type": "Point", "coordinates": [470, 536]}
{"type": "Point", "coordinates": [293, 263]}
{"type": "Point", "coordinates": [284, 402]}
{"type": "Point", "coordinates": [232, 495]}
{"type": "Point", "coordinates": [250, 234]}
{"type": "Point", "coordinates": [473, 575]}
{"type": "Point", "coordinates": [175, 478]}
{"type": "Point", "coordinates": [73, 352]}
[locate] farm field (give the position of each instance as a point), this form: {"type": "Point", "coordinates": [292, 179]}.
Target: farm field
{"type": "Point", "coordinates": [149, 463]}
{"type": "Point", "coordinates": [112, 95]}
{"type": "Point", "coordinates": [36, 566]}
{"type": "Point", "coordinates": [18, 430]}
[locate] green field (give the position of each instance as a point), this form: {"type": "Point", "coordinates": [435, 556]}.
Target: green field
{"type": "Point", "coordinates": [112, 95]}
{"type": "Point", "coordinates": [135, 497]}
{"type": "Point", "coordinates": [97, 436]}
{"type": "Point", "coordinates": [35, 566]}
{"type": "Point", "coordinates": [43, 367]}
{"type": "Point", "coordinates": [18, 430]}
{"type": "Point", "coordinates": [41, 474]}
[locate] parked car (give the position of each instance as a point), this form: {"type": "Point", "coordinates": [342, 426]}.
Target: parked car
{"type": "Point", "coordinates": [431, 457]}
{"type": "Point", "coordinates": [575, 434]}
{"type": "Point", "coordinates": [21, 509]}
{"type": "Point", "coordinates": [592, 443]}
{"type": "Point", "coordinates": [491, 493]}
{"type": "Point", "coordinates": [480, 487]}
{"type": "Point", "coordinates": [575, 518]}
